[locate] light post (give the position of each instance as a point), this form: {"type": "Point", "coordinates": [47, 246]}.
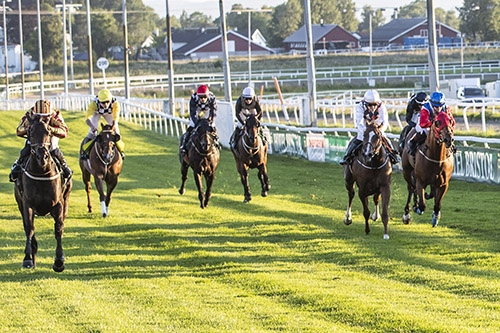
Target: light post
{"type": "Point", "coordinates": [22, 47]}
{"type": "Point", "coordinates": [40, 53]}
{"type": "Point", "coordinates": [225, 66]}
{"type": "Point", "coordinates": [125, 50]}
{"type": "Point", "coordinates": [71, 9]}
{"type": "Point", "coordinates": [249, 11]}
{"type": "Point", "coordinates": [5, 49]}
{"type": "Point", "coordinates": [89, 41]}
{"type": "Point", "coordinates": [171, 93]}
{"type": "Point", "coordinates": [462, 36]}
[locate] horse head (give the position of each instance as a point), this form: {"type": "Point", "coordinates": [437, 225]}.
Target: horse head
{"type": "Point", "coordinates": [252, 125]}
{"type": "Point", "coordinates": [443, 129]}
{"type": "Point", "coordinates": [39, 135]}
{"type": "Point", "coordinates": [106, 142]}
{"type": "Point", "coordinates": [372, 141]}
{"type": "Point", "coordinates": [205, 134]}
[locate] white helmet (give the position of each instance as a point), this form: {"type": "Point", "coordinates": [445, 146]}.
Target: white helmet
{"type": "Point", "coordinates": [371, 96]}
{"type": "Point", "coordinates": [248, 92]}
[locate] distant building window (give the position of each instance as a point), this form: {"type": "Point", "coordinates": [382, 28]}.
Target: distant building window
{"type": "Point", "coordinates": [231, 46]}
{"type": "Point", "coordinates": [424, 33]}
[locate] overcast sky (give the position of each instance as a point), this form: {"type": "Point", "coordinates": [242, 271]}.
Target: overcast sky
{"type": "Point", "coordinates": [211, 7]}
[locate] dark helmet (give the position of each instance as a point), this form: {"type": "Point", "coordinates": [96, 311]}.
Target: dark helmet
{"type": "Point", "coordinates": [437, 99]}
{"type": "Point", "coordinates": [421, 98]}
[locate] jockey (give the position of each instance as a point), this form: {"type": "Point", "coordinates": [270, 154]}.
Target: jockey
{"type": "Point", "coordinates": [436, 104]}
{"type": "Point", "coordinates": [58, 128]}
{"type": "Point", "coordinates": [412, 112]}
{"type": "Point", "coordinates": [246, 105]}
{"type": "Point", "coordinates": [371, 108]}
{"type": "Point", "coordinates": [103, 105]}
{"type": "Point", "coordinates": [202, 101]}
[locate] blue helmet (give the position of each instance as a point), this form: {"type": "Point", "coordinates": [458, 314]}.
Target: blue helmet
{"type": "Point", "coordinates": [437, 99]}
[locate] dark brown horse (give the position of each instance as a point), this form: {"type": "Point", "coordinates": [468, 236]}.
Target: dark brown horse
{"type": "Point", "coordinates": [42, 190]}
{"type": "Point", "coordinates": [203, 157]}
{"type": "Point", "coordinates": [251, 153]}
{"type": "Point", "coordinates": [432, 165]}
{"type": "Point", "coordinates": [105, 164]}
{"type": "Point", "coordinates": [371, 170]}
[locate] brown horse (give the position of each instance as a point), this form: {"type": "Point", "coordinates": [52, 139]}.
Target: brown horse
{"type": "Point", "coordinates": [42, 190]}
{"type": "Point", "coordinates": [432, 165]}
{"type": "Point", "coordinates": [203, 157]}
{"type": "Point", "coordinates": [371, 170]}
{"type": "Point", "coordinates": [105, 164]}
{"type": "Point", "coordinates": [251, 153]}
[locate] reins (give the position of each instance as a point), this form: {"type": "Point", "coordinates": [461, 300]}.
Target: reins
{"type": "Point", "coordinates": [248, 148]}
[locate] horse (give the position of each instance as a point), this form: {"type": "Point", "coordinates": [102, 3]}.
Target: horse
{"type": "Point", "coordinates": [203, 157]}
{"type": "Point", "coordinates": [251, 152]}
{"type": "Point", "coordinates": [432, 165]}
{"type": "Point", "coordinates": [371, 170]}
{"type": "Point", "coordinates": [41, 190]}
{"type": "Point", "coordinates": [105, 163]}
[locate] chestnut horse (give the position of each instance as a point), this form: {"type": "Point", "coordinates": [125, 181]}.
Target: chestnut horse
{"type": "Point", "coordinates": [251, 153]}
{"type": "Point", "coordinates": [105, 164]}
{"type": "Point", "coordinates": [42, 190]}
{"type": "Point", "coordinates": [432, 165]}
{"type": "Point", "coordinates": [371, 169]}
{"type": "Point", "coordinates": [203, 157]}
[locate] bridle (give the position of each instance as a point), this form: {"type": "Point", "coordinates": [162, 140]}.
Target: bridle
{"type": "Point", "coordinates": [209, 151]}
{"type": "Point", "coordinates": [249, 149]}
{"type": "Point", "coordinates": [375, 150]}
{"type": "Point", "coordinates": [34, 147]}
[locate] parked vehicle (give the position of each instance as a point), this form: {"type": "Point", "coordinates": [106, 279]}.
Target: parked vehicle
{"type": "Point", "coordinates": [467, 90]}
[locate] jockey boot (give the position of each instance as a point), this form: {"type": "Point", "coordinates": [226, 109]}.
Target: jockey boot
{"type": "Point", "coordinates": [393, 154]}
{"type": "Point", "coordinates": [351, 148]}
{"type": "Point", "coordinates": [414, 142]}
{"type": "Point", "coordinates": [185, 140]}
{"type": "Point", "coordinates": [57, 153]}
{"type": "Point", "coordinates": [85, 148]}
{"type": "Point", "coordinates": [262, 136]}
{"type": "Point", "coordinates": [233, 140]}
{"type": "Point", "coordinates": [15, 171]}
{"type": "Point", "coordinates": [121, 147]}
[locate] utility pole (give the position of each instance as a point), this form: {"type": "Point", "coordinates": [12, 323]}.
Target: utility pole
{"type": "Point", "coordinates": [40, 53]}
{"type": "Point", "coordinates": [311, 72]}
{"type": "Point", "coordinates": [433, 52]}
{"type": "Point", "coordinates": [171, 93]}
{"type": "Point", "coordinates": [125, 50]}
{"type": "Point", "coordinates": [22, 48]}
{"type": "Point", "coordinates": [227, 71]}
{"type": "Point", "coordinates": [89, 40]}
{"type": "Point", "coordinates": [6, 51]}
{"type": "Point", "coordinates": [65, 52]}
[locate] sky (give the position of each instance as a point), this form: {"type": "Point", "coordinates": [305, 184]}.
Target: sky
{"type": "Point", "coordinates": [211, 7]}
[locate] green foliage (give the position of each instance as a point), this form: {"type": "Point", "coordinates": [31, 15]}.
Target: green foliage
{"type": "Point", "coordinates": [282, 263]}
{"type": "Point", "coordinates": [195, 20]}
{"type": "Point", "coordinates": [287, 18]}
{"type": "Point", "coordinates": [479, 20]}
{"type": "Point", "coordinates": [378, 18]}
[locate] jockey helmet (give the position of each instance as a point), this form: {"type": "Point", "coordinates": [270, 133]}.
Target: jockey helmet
{"type": "Point", "coordinates": [421, 98]}
{"type": "Point", "coordinates": [42, 106]}
{"type": "Point", "coordinates": [371, 96]}
{"type": "Point", "coordinates": [248, 92]}
{"type": "Point", "coordinates": [104, 96]}
{"type": "Point", "coordinates": [202, 91]}
{"type": "Point", "coordinates": [437, 99]}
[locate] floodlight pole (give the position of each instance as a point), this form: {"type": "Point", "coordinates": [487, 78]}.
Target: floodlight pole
{"type": "Point", "coordinates": [227, 71]}
{"type": "Point", "coordinates": [89, 40]}
{"type": "Point", "coordinates": [40, 53]}
{"type": "Point", "coordinates": [433, 51]}
{"type": "Point", "coordinates": [125, 50]}
{"type": "Point", "coordinates": [311, 72]}
{"type": "Point", "coordinates": [171, 93]}
{"type": "Point", "coordinates": [22, 48]}
{"type": "Point", "coordinates": [6, 57]}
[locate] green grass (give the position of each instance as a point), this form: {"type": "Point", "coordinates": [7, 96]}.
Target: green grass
{"type": "Point", "coordinates": [286, 262]}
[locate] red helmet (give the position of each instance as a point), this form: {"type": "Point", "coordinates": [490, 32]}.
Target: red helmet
{"type": "Point", "coordinates": [202, 90]}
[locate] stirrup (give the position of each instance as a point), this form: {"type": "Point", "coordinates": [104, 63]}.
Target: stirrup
{"type": "Point", "coordinates": [122, 155]}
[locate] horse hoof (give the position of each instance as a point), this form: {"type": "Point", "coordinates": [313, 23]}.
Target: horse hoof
{"type": "Point", "coordinates": [374, 216]}
{"type": "Point", "coordinates": [435, 219]}
{"type": "Point", "coordinates": [386, 236]}
{"type": "Point", "coordinates": [419, 212]}
{"type": "Point", "coordinates": [246, 200]}
{"type": "Point", "coordinates": [104, 215]}
{"type": "Point", "coordinates": [264, 194]}
{"type": "Point", "coordinates": [28, 264]}
{"type": "Point", "coordinates": [182, 191]}
{"type": "Point", "coordinates": [407, 218]}
{"type": "Point", "coordinates": [268, 187]}
{"type": "Point", "coordinates": [58, 266]}
{"type": "Point", "coordinates": [347, 221]}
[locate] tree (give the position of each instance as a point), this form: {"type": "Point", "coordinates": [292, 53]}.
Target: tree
{"type": "Point", "coordinates": [378, 18]}
{"type": "Point", "coordinates": [287, 18]}
{"type": "Point", "coordinates": [348, 19]}
{"type": "Point", "coordinates": [195, 20]}
{"type": "Point", "coordinates": [105, 33]}
{"type": "Point", "coordinates": [480, 19]}
{"type": "Point", "coordinates": [323, 11]}
{"type": "Point", "coordinates": [418, 8]}
{"type": "Point", "coordinates": [259, 20]}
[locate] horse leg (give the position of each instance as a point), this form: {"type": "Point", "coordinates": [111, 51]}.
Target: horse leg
{"type": "Point", "coordinates": [199, 186]}
{"type": "Point", "coordinates": [376, 214]}
{"type": "Point", "coordinates": [110, 186]}
{"type": "Point", "coordinates": [184, 176]}
{"type": "Point", "coordinates": [421, 199]}
{"type": "Point", "coordinates": [439, 194]}
{"type": "Point", "coordinates": [29, 230]}
{"type": "Point", "coordinates": [86, 183]}
{"type": "Point", "coordinates": [264, 180]}
{"type": "Point", "coordinates": [349, 185]}
{"type": "Point", "coordinates": [386, 197]}
{"type": "Point", "coordinates": [57, 214]}
{"type": "Point", "coordinates": [102, 197]}
{"type": "Point", "coordinates": [243, 170]}
{"type": "Point", "coordinates": [209, 178]}
{"type": "Point", "coordinates": [366, 210]}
